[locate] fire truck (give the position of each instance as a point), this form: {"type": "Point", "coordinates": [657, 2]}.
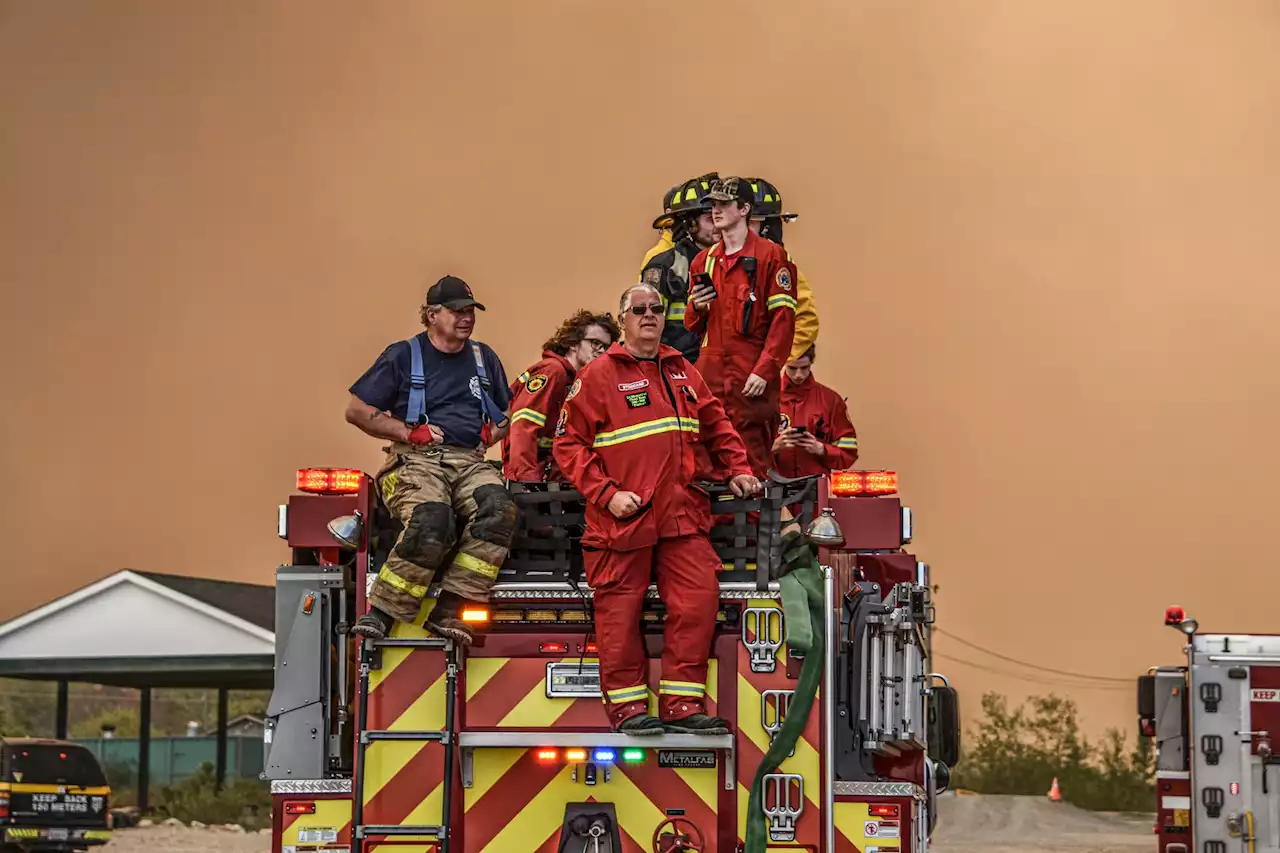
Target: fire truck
{"type": "Point", "coordinates": [1213, 720]}
{"type": "Point", "coordinates": [411, 744]}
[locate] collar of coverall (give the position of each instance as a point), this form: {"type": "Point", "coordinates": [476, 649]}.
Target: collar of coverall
{"type": "Point", "coordinates": [620, 352]}
{"type": "Point", "coordinates": [799, 389]}
{"type": "Point", "coordinates": [748, 246]}
{"type": "Point", "coordinates": [564, 362]}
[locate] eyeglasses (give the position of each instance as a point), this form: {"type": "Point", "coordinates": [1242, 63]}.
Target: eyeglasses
{"type": "Point", "coordinates": [653, 308]}
{"type": "Point", "coordinates": [597, 345]}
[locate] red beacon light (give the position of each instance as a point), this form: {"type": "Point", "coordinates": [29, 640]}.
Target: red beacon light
{"type": "Point", "coordinates": [1176, 617]}
{"type": "Point", "coordinates": [329, 481]}
{"type": "Point", "coordinates": [846, 484]}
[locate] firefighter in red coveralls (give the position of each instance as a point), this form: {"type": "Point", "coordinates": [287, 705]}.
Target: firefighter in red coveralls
{"type": "Point", "coordinates": [625, 440]}
{"type": "Point", "coordinates": [815, 434]}
{"type": "Point", "coordinates": [538, 393]}
{"type": "Point", "coordinates": [747, 311]}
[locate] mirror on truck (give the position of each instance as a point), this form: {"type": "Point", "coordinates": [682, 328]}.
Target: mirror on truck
{"type": "Point", "coordinates": [944, 726]}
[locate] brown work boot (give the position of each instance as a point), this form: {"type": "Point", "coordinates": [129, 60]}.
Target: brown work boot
{"type": "Point", "coordinates": [445, 620]}
{"type": "Point", "coordinates": [374, 625]}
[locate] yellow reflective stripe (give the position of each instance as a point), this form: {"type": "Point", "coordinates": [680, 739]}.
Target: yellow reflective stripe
{"type": "Point", "coordinates": [711, 263]}
{"type": "Point", "coordinates": [778, 300]}
{"type": "Point", "coordinates": [97, 833]}
{"type": "Point", "coordinates": [472, 564]}
{"type": "Point", "coordinates": [523, 377]}
{"type": "Point", "coordinates": [530, 415]}
{"type": "Point", "coordinates": [629, 694]}
{"type": "Point", "coordinates": [846, 443]}
{"type": "Point", "coordinates": [675, 311]}
{"type": "Point", "coordinates": [644, 430]}
{"type": "Point", "coordinates": [14, 832]}
{"type": "Point", "coordinates": [545, 442]}
{"type": "Point", "coordinates": [416, 590]}
{"type": "Point", "coordinates": [682, 688]}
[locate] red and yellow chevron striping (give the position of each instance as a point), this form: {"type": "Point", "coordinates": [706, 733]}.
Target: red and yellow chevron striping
{"type": "Point", "coordinates": [753, 740]}
{"type": "Point", "coordinates": [329, 825]}
{"type": "Point", "coordinates": [854, 822]}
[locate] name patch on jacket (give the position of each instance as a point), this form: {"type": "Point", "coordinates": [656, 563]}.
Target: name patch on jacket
{"type": "Point", "coordinates": [638, 399]}
{"type": "Point", "coordinates": [633, 386]}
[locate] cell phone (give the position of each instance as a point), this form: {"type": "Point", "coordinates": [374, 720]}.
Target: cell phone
{"type": "Point", "coordinates": [704, 280]}
{"type": "Point", "coordinates": [800, 429]}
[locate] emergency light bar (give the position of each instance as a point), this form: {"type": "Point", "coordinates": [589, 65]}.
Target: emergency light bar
{"type": "Point", "coordinates": [602, 755]}
{"type": "Point", "coordinates": [846, 484]}
{"type": "Point", "coordinates": [329, 481]}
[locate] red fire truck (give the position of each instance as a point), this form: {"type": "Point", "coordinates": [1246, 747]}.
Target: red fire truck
{"type": "Point", "coordinates": [410, 745]}
{"type": "Point", "coordinates": [1213, 720]}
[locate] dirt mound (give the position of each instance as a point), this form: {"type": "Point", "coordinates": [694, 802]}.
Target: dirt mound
{"type": "Point", "coordinates": [1035, 823]}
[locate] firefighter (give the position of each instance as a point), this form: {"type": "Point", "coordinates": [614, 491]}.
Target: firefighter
{"type": "Point", "coordinates": [767, 217]}
{"type": "Point", "coordinates": [624, 440]}
{"type": "Point", "coordinates": [664, 222]}
{"type": "Point", "coordinates": [669, 270]}
{"type": "Point", "coordinates": [441, 399]}
{"type": "Point", "coordinates": [815, 434]}
{"type": "Point", "coordinates": [747, 315]}
{"type": "Point", "coordinates": [538, 394]}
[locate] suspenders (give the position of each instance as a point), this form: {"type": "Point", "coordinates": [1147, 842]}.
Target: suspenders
{"type": "Point", "coordinates": [416, 412]}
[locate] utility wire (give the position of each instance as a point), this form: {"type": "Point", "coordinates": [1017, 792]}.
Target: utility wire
{"type": "Point", "coordinates": [1027, 678]}
{"type": "Point", "coordinates": [1100, 678]}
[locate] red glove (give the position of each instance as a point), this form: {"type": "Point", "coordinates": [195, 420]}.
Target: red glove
{"type": "Point", "coordinates": [426, 434]}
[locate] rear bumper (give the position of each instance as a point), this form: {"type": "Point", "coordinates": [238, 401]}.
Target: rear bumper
{"type": "Point", "coordinates": [54, 838]}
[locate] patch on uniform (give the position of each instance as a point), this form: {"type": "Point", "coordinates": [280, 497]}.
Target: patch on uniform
{"type": "Point", "coordinates": [783, 278]}
{"type": "Point", "coordinates": [574, 389]}
{"type": "Point", "coordinates": [535, 383]}
{"type": "Point", "coordinates": [564, 419]}
{"type": "Point", "coordinates": [784, 423]}
{"type": "Point", "coordinates": [633, 386]}
{"type": "Point", "coordinates": [638, 400]}
{"type": "Point", "coordinates": [651, 275]}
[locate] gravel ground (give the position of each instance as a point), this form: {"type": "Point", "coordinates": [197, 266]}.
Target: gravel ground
{"type": "Point", "coordinates": [966, 824]}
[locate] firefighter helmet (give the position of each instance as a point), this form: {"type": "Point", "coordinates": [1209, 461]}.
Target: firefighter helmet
{"type": "Point", "coordinates": [688, 197]}
{"type": "Point", "coordinates": [768, 202]}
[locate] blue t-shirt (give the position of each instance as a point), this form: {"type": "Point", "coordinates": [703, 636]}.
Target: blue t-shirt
{"type": "Point", "coordinates": [453, 387]}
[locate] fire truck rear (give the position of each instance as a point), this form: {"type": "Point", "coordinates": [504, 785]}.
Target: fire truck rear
{"type": "Point", "coordinates": [1213, 720]}
{"type": "Point", "coordinates": [411, 745]}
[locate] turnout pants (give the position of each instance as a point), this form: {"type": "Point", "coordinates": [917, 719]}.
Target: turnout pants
{"type": "Point", "coordinates": [686, 573]}
{"type": "Point", "coordinates": [446, 498]}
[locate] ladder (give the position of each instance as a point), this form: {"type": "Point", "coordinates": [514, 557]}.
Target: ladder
{"type": "Point", "coordinates": [370, 659]}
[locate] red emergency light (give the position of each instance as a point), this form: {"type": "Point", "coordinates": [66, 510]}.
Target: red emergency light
{"type": "Point", "coordinates": [299, 807]}
{"type": "Point", "coordinates": [329, 481]}
{"type": "Point", "coordinates": [1174, 615]}
{"type": "Point", "coordinates": [589, 649]}
{"type": "Point", "coordinates": [883, 810]}
{"type": "Point", "coordinates": [554, 648]}
{"type": "Point", "coordinates": [846, 484]}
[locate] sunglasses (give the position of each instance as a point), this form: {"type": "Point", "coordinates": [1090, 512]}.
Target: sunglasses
{"type": "Point", "coordinates": [653, 308]}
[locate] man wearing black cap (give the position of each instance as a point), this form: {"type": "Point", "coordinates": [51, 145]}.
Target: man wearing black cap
{"type": "Point", "coordinates": [441, 399]}
{"type": "Point", "coordinates": [742, 301]}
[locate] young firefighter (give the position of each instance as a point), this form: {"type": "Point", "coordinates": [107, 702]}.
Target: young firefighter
{"type": "Point", "coordinates": [536, 397]}
{"type": "Point", "coordinates": [664, 222]}
{"type": "Point", "coordinates": [747, 313]}
{"type": "Point", "coordinates": [624, 440]}
{"type": "Point", "coordinates": [815, 434]}
{"type": "Point", "coordinates": [669, 271]}
{"type": "Point", "coordinates": [440, 398]}
{"type": "Point", "coordinates": [767, 218]}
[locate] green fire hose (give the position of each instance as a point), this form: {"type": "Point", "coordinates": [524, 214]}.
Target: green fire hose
{"type": "Point", "coordinates": [802, 607]}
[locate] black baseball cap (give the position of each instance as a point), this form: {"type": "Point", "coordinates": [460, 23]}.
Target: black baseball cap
{"type": "Point", "coordinates": [733, 189]}
{"type": "Point", "coordinates": [453, 293]}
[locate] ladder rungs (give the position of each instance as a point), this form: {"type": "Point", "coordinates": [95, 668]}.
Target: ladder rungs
{"type": "Point", "coordinates": [381, 734]}
{"type": "Point", "coordinates": [411, 643]}
{"type": "Point", "coordinates": [374, 829]}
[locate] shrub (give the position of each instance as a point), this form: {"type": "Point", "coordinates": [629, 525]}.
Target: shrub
{"type": "Point", "coordinates": [243, 801]}
{"type": "Point", "coordinates": [1021, 751]}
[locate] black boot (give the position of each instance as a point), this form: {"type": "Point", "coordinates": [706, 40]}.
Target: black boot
{"type": "Point", "coordinates": [444, 620]}
{"type": "Point", "coordinates": [641, 725]}
{"type": "Point", "coordinates": [698, 724]}
{"type": "Point", "coordinates": [374, 625]}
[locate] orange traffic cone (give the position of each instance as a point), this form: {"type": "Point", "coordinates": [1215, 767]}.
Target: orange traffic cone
{"type": "Point", "coordinates": [1055, 793]}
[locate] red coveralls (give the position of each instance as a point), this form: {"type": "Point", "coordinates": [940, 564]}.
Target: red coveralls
{"type": "Point", "coordinates": [822, 412]}
{"type": "Point", "coordinates": [631, 424]}
{"type": "Point", "coordinates": [536, 398]}
{"type": "Point", "coordinates": [747, 330]}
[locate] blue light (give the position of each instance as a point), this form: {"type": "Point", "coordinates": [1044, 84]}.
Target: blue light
{"type": "Point", "coordinates": [605, 755]}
